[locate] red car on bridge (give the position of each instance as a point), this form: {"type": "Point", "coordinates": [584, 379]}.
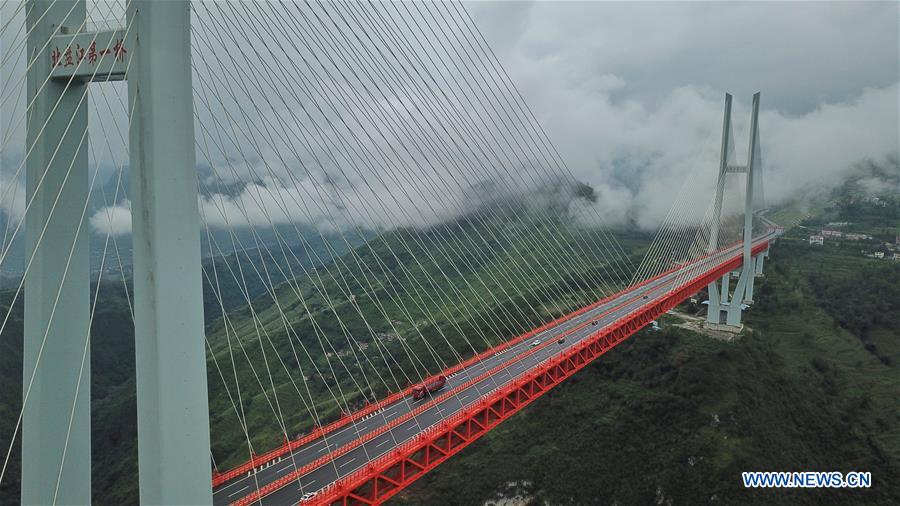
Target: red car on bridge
{"type": "Point", "coordinates": [429, 386]}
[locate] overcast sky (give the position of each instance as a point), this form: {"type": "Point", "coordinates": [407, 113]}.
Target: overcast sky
{"type": "Point", "coordinates": [630, 92]}
{"type": "Point", "coordinates": [801, 54]}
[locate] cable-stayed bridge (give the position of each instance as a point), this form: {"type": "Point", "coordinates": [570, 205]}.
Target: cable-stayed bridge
{"type": "Point", "coordinates": [347, 230]}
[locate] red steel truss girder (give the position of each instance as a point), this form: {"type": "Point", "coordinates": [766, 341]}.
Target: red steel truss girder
{"type": "Point", "coordinates": [456, 432]}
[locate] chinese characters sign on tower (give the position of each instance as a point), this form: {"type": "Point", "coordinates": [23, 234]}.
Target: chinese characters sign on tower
{"type": "Point", "coordinates": [101, 56]}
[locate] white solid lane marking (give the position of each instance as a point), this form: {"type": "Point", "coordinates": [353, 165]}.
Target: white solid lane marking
{"type": "Point", "coordinates": [238, 491]}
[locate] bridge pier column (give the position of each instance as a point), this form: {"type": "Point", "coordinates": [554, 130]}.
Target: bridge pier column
{"type": "Point", "coordinates": [726, 279]}
{"type": "Point", "coordinates": [733, 312]}
{"type": "Point", "coordinates": [733, 315]}
{"type": "Point", "coordinates": [173, 410]}
{"type": "Point", "coordinates": [751, 275]}
{"type": "Point", "coordinates": [713, 310]}
{"type": "Point", "coordinates": [759, 261]}
{"type": "Point", "coordinates": [56, 362]}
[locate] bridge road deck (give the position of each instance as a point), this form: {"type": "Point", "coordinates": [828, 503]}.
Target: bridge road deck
{"type": "Point", "coordinates": [606, 313]}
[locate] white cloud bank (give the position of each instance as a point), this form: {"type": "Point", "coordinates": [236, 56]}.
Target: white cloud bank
{"type": "Point", "coordinates": [112, 220]}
